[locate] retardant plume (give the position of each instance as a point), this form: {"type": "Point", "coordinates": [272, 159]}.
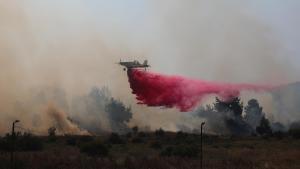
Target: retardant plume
{"type": "Point", "coordinates": [185, 94]}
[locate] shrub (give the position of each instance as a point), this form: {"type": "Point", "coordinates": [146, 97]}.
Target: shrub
{"type": "Point", "coordinates": [115, 139]}
{"type": "Point", "coordinates": [156, 145]}
{"type": "Point", "coordinates": [28, 142]}
{"type": "Point", "coordinates": [72, 141]}
{"type": "Point", "coordinates": [295, 133]}
{"type": "Point", "coordinates": [264, 128]}
{"type": "Point", "coordinates": [137, 140]}
{"type": "Point", "coordinates": [128, 135]}
{"type": "Point", "coordinates": [52, 134]}
{"type": "Point", "coordinates": [135, 129]}
{"type": "Point", "coordinates": [25, 142]}
{"type": "Point", "coordinates": [85, 139]}
{"type": "Point", "coordinates": [160, 132]}
{"type": "Point", "coordinates": [142, 134]}
{"type": "Point", "coordinates": [5, 144]}
{"type": "Point", "coordinates": [278, 134]}
{"type": "Point", "coordinates": [181, 135]}
{"type": "Point", "coordinates": [94, 148]}
{"type": "Point", "coordinates": [181, 151]}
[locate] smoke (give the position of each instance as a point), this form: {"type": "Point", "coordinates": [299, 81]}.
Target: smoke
{"type": "Point", "coordinates": [61, 122]}
{"type": "Point", "coordinates": [99, 112]}
{"type": "Point", "coordinates": [286, 103]}
{"type": "Point", "coordinates": [155, 89]}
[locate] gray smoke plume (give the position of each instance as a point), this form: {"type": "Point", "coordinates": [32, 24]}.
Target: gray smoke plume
{"type": "Point", "coordinates": [286, 103]}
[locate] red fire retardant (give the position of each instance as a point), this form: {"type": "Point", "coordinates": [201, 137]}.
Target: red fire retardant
{"type": "Point", "coordinates": [153, 89]}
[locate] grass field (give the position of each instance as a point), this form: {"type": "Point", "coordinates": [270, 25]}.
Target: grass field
{"type": "Point", "coordinates": [157, 151]}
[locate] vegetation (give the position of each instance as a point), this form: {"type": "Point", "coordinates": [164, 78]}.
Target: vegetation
{"type": "Point", "coordinates": [94, 148]}
{"type": "Point", "coordinates": [264, 127]}
{"type": "Point", "coordinates": [173, 150]}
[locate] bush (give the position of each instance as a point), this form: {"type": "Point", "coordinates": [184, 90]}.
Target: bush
{"type": "Point", "coordinates": [160, 132]}
{"type": "Point", "coordinates": [181, 135]}
{"type": "Point", "coordinates": [137, 140]}
{"type": "Point", "coordinates": [115, 139]}
{"type": "Point", "coordinates": [25, 142]}
{"type": "Point", "coordinates": [71, 141]}
{"type": "Point", "coordinates": [135, 129]}
{"type": "Point", "coordinates": [85, 139]}
{"type": "Point", "coordinates": [52, 134]}
{"type": "Point", "coordinates": [156, 145]}
{"type": "Point", "coordinates": [5, 144]}
{"type": "Point", "coordinates": [28, 142]}
{"type": "Point", "coordinates": [95, 148]}
{"type": "Point", "coordinates": [128, 135]}
{"type": "Point", "coordinates": [142, 134]}
{"type": "Point", "coordinates": [295, 133]}
{"type": "Point", "coordinates": [279, 135]}
{"type": "Point", "coordinates": [181, 151]}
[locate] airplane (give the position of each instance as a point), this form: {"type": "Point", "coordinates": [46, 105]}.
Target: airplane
{"type": "Point", "coordinates": [134, 65]}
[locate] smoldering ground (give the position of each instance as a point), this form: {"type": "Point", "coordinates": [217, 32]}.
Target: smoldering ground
{"type": "Point", "coordinates": [73, 45]}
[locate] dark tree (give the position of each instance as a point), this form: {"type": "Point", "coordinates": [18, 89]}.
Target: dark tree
{"type": "Point", "coordinates": [235, 106]}
{"type": "Point", "coordinates": [118, 115]}
{"type": "Point", "coordinates": [52, 132]}
{"type": "Point", "coordinates": [264, 127]}
{"type": "Point", "coordinates": [135, 130]}
{"type": "Point", "coordinates": [253, 113]}
{"type": "Point", "coordinates": [232, 116]}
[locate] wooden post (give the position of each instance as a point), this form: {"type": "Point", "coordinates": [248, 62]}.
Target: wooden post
{"type": "Point", "coordinates": [201, 145]}
{"type": "Point", "coordinates": [13, 137]}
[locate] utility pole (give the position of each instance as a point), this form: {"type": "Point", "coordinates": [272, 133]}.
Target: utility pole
{"type": "Point", "coordinates": [201, 146]}
{"type": "Point", "coordinates": [13, 137]}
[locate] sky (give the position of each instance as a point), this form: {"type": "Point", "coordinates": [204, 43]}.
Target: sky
{"type": "Point", "coordinates": [139, 18]}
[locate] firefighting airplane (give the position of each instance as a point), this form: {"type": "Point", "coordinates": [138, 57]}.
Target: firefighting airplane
{"type": "Point", "coordinates": [134, 65]}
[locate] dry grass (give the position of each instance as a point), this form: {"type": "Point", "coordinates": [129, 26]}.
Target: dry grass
{"type": "Point", "coordinates": [219, 153]}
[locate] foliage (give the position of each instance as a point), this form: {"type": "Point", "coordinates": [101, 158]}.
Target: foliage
{"type": "Point", "coordinates": [160, 132]}
{"type": "Point", "coordinates": [52, 134]}
{"type": "Point", "coordinates": [28, 142]}
{"type": "Point", "coordinates": [94, 148]}
{"type": "Point", "coordinates": [71, 140]}
{"type": "Point", "coordinates": [23, 142]}
{"type": "Point", "coordinates": [115, 139]}
{"type": "Point", "coordinates": [264, 127]}
{"type": "Point", "coordinates": [235, 106]}
{"type": "Point", "coordinates": [181, 151]}
{"type": "Point", "coordinates": [294, 132]}
{"type": "Point", "coordinates": [135, 129]}
{"type": "Point", "coordinates": [156, 145]}
{"type": "Point", "coordinates": [253, 113]}
{"type": "Point", "coordinates": [119, 115]}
